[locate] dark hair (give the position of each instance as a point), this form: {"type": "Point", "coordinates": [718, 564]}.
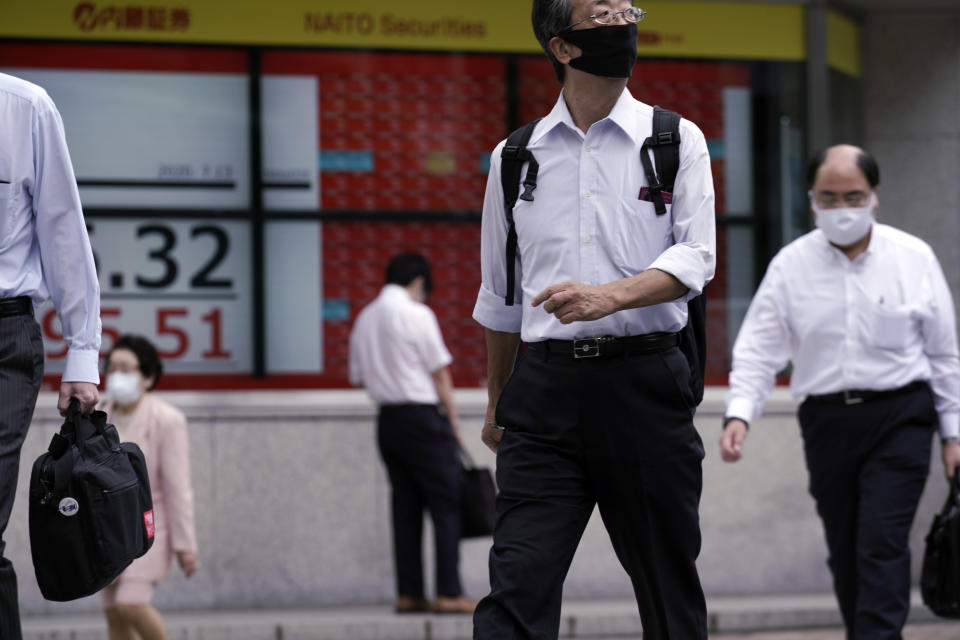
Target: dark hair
{"type": "Point", "coordinates": [549, 18]}
{"type": "Point", "coordinates": [403, 268]}
{"type": "Point", "coordinates": [865, 162]}
{"type": "Point", "coordinates": [147, 356]}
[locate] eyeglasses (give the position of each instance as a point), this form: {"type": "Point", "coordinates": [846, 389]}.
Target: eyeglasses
{"type": "Point", "coordinates": [607, 16]}
{"type": "Point", "coordinates": [834, 200]}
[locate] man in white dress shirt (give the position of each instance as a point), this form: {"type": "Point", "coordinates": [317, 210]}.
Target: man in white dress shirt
{"type": "Point", "coordinates": [863, 312]}
{"type": "Point", "coordinates": [44, 254]}
{"type": "Point", "coordinates": [600, 409]}
{"type": "Point", "coordinates": [398, 354]}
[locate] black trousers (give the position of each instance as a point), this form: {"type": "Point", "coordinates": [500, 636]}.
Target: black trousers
{"type": "Point", "coordinates": [420, 452]}
{"type": "Point", "coordinates": [615, 432]}
{"type": "Point", "coordinates": [868, 463]}
{"type": "Point", "coordinates": [21, 371]}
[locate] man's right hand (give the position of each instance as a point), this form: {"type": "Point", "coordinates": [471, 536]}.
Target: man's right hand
{"type": "Point", "coordinates": [85, 392]}
{"type": "Point", "coordinates": [490, 434]}
{"type": "Point", "coordinates": [731, 442]}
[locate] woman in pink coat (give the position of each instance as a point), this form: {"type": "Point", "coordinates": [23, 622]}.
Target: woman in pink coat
{"type": "Point", "coordinates": [133, 369]}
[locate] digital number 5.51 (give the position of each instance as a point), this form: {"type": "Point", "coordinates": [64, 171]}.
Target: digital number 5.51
{"type": "Point", "coordinates": [174, 333]}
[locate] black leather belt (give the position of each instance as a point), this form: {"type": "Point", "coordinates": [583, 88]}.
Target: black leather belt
{"type": "Point", "coordinates": [606, 346]}
{"type": "Point", "coordinates": [19, 306]}
{"type": "Point", "coordinates": [856, 396]}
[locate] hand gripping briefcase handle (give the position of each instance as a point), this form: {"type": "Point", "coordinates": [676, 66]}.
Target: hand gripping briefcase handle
{"type": "Point", "coordinates": [76, 430]}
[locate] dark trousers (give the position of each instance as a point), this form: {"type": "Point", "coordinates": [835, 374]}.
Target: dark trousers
{"type": "Point", "coordinates": [21, 370]}
{"type": "Point", "coordinates": [868, 463]}
{"type": "Point", "coordinates": [420, 452]}
{"type": "Point", "coordinates": [615, 432]}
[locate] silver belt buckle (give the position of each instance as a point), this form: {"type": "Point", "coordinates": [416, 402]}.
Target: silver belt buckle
{"type": "Point", "coordinates": [586, 348]}
{"type": "Point", "coordinates": [848, 399]}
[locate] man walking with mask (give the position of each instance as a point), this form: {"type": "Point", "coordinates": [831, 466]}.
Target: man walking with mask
{"type": "Point", "coordinates": [599, 411]}
{"type": "Point", "coordinates": [863, 312]}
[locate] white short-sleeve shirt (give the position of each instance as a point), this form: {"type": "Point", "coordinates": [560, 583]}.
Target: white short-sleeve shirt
{"type": "Point", "coordinates": [395, 347]}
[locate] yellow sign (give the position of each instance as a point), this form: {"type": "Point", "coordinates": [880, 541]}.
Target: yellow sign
{"type": "Point", "coordinates": [730, 30]}
{"type": "Point", "coordinates": [673, 28]}
{"type": "Point", "coordinates": [492, 25]}
{"type": "Point", "coordinates": [843, 44]}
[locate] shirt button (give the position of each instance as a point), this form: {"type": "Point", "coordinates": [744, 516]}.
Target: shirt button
{"type": "Point", "coordinates": [588, 193]}
{"type": "Point", "coordinates": [589, 148]}
{"type": "Point", "coordinates": [587, 239]}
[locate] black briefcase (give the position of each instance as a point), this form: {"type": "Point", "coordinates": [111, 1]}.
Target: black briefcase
{"type": "Point", "coordinates": [940, 576]}
{"type": "Point", "coordinates": [91, 511]}
{"type": "Point", "coordinates": [478, 495]}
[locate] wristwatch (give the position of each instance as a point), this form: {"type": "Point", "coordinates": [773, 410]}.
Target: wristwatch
{"type": "Point", "coordinates": [950, 440]}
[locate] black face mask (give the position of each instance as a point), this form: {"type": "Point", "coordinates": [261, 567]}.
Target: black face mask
{"type": "Point", "coordinates": [608, 51]}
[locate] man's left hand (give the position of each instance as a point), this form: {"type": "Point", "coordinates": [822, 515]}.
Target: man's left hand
{"type": "Point", "coordinates": [574, 301]}
{"type": "Point", "coordinates": [951, 458]}
{"type": "Point", "coordinates": [85, 392]}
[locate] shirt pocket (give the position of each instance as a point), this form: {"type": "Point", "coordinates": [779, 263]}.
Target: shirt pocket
{"type": "Point", "coordinates": [892, 326]}
{"type": "Point", "coordinates": [639, 235]}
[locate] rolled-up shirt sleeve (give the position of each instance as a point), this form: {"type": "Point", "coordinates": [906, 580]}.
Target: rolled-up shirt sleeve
{"type": "Point", "coordinates": [940, 346]}
{"type": "Point", "coordinates": [68, 266]}
{"type": "Point", "coordinates": [491, 309]}
{"type": "Point", "coordinates": [692, 259]}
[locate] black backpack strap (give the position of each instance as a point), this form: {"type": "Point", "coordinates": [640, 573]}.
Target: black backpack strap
{"type": "Point", "coordinates": [665, 143]}
{"type": "Point", "coordinates": [512, 159]}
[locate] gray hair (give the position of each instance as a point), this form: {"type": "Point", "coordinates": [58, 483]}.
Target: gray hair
{"type": "Point", "coordinates": [550, 17]}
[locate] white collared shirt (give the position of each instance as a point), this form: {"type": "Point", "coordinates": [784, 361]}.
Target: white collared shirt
{"type": "Point", "coordinates": [395, 347]}
{"type": "Point", "coordinates": [588, 224]}
{"type": "Point", "coordinates": [878, 322]}
{"type": "Point", "coordinates": [44, 249]}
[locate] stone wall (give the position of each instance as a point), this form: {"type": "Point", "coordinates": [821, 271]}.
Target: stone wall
{"type": "Point", "coordinates": [293, 508]}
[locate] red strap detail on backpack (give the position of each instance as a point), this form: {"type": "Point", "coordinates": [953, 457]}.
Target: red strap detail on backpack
{"type": "Point", "coordinates": [645, 195]}
{"type": "Point", "coordinates": [148, 523]}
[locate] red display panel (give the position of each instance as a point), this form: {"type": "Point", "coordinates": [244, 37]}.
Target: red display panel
{"type": "Point", "coordinates": [402, 132]}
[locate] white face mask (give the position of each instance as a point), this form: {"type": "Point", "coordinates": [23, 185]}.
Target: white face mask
{"type": "Point", "coordinates": [123, 388]}
{"type": "Point", "coordinates": [846, 225]}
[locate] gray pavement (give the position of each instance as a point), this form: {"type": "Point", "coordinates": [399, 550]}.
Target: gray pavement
{"type": "Point", "coordinates": [927, 631]}
{"type": "Point", "coordinates": [784, 617]}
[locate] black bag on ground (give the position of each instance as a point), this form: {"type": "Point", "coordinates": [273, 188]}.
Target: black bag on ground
{"type": "Point", "coordinates": [478, 495]}
{"type": "Point", "coordinates": [91, 511]}
{"type": "Point", "coordinates": [940, 576]}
